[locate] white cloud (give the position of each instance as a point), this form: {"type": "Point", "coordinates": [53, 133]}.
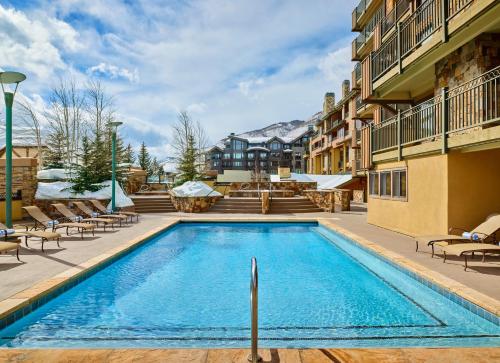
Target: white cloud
{"type": "Point", "coordinates": [34, 44]}
{"type": "Point", "coordinates": [114, 72]}
{"type": "Point", "coordinates": [235, 65]}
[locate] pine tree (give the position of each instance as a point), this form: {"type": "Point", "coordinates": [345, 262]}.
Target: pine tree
{"type": "Point", "coordinates": [144, 159]}
{"type": "Point", "coordinates": [54, 158]}
{"type": "Point", "coordinates": [100, 157]}
{"type": "Point", "coordinates": [187, 165]}
{"type": "Point", "coordinates": [85, 179]}
{"type": "Point", "coordinates": [129, 156]}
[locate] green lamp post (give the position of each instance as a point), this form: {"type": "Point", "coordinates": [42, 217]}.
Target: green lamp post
{"type": "Point", "coordinates": [114, 128]}
{"type": "Point", "coordinates": [9, 78]}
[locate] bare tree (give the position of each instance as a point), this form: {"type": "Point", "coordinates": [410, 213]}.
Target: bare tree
{"type": "Point", "coordinates": [67, 118]}
{"type": "Point", "coordinates": [33, 120]}
{"type": "Point", "coordinates": [185, 133]}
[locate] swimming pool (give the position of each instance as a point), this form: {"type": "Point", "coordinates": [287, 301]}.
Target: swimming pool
{"type": "Point", "coordinates": [189, 287]}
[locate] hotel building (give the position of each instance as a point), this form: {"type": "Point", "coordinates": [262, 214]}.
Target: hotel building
{"type": "Point", "coordinates": [429, 78]}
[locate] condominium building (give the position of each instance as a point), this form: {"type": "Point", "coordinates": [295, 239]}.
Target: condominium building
{"type": "Point", "coordinates": [334, 146]}
{"type": "Point", "coordinates": [429, 78]}
{"type": "Point", "coordinates": [260, 154]}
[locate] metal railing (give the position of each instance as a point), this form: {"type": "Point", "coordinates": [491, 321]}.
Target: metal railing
{"type": "Point", "coordinates": [472, 104]}
{"type": "Point", "coordinates": [357, 71]}
{"type": "Point", "coordinates": [393, 16]}
{"type": "Point", "coordinates": [412, 31]}
{"type": "Point", "coordinates": [359, 102]}
{"type": "Point", "coordinates": [369, 28]}
{"type": "Point", "coordinates": [254, 312]}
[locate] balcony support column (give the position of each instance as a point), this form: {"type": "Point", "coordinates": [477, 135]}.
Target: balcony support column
{"type": "Point", "coordinates": [398, 34]}
{"type": "Point", "coordinates": [398, 135]}
{"type": "Point", "coordinates": [370, 134]}
{"type": "Point", "coordinates": [444, 20]}
{"type": "Point", "coordinates": [444, 119]}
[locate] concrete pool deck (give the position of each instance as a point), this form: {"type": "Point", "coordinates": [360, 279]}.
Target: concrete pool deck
{"type": "Point", "coordinates": [42, 272]}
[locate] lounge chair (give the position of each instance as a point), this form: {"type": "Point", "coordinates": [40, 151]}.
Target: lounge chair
{"type": "Point", "coordinates": [462, 249]}
{"type": "Point", "coordinates": [72, 217]}
{"type": "Point", "coordinates": [103, 210]}
{"type": "Point", "coordinates": [45, 236]}
{"type": "Point", "coordinates": [90, 213]}
{"type": "Point", "coordinates": [484, 233]}
{"type": "Point", "coordinates": [10, 246]}
{"type": "Point", "coordinates": [44, 222]}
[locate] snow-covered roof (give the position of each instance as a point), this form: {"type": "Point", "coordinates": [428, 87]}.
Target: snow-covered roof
{"type": "Point", "coordinates": [258, 148]}
{"type": "Point", "coordinates": [324, 181]}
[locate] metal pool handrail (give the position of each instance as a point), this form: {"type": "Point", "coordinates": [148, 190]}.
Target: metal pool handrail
{"type": "Point", "coordinates": [254, 304]}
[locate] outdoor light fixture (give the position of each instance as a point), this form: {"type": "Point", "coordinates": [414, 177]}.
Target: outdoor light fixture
{"type": "Point", "coordinates": [114, 129]}
{"type": "Point", "coordinates": [9, 78]}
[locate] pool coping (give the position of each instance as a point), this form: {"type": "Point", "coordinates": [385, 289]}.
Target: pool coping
{"type": "Point", "coordinates": [23, 302]}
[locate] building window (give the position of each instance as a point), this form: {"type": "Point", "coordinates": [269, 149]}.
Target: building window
{"type": "Point", "coordinates": [399, 183]}
{"type": "Point", "coordinates": [389, 184]}
{"type": "Point", "coordinates": [227, 155]}
{"type": "Point", "coordinates": [263, 155]}
{"type": "Point", "coordinates": [275, 145]}
{"type": "Point", "coordinates": [238, 155]}
{"type": "Point", "coordinates": [250, 164]}
{"type": "Point", "coordinates": [263, 164]}
{"type": "Point", "coordinates": [385, 184]}
{"type": "Point", "coordinates": [237, 163]}
{"type": "Point", "coordinates": [216, 163]}
{"type": "Point", "coordinates": [373, 183]}
{"type": "Point", "coordinates": [250, 155]}
{"type": "Point", "coordinates": [238, 145]}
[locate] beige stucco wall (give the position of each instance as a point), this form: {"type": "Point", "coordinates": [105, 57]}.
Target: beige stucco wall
{"type": "Point", "coordinates": [474, 187]}
{"type": "Point", "coordinates": [459, 189]}
{"type": "Point", "coordinates": [425, 211]}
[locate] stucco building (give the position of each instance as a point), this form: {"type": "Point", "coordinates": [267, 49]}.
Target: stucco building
{"type": "Point", "coordinates": [429, 77]}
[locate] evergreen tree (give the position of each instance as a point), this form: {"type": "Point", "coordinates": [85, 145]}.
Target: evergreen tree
{"type": "Point", "coordinates": [187, 165]}
{"type": "Point", "coordinates": [144, 159]}
{"type": "Point", "coordinates": [85, 177]}
{"type": "Point", "coordinates": [54, 158]}
{"type": "Point", "coordinates": [129, 156]}
{"type": "Point", "coordinates": [100, 157]}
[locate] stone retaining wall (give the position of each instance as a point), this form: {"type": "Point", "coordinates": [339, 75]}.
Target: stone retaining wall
{"type": "Point", "coordinates": [358, 196]}
{"type": "Point", "coordinates": [23, 178]}
{"type": "Point", "coordinates": [193, 204]}
{"type": "Point", "coordinates": [327, 199]}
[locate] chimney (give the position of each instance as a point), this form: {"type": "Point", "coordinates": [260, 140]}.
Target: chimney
{"type": "Point", "coordinates": [345, 88]}
{"type": "Point", "coordinates": [329, 102]}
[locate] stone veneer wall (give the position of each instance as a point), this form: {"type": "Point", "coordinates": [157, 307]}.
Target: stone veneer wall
{"type": "Point", "coordinates": [193, 204]}
{"type": "Point", "coordinates": [297, 187]}
{"type": "Point", "coordinates": [327, 199]}
{"type": "Point", "coordinates": [24, 172]}
{"type": "Point", "coordinates": [467, 62]}
{"type": "Point", "coordinates": [358, 196]}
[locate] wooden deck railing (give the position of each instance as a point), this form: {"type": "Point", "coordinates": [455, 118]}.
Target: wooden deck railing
{"type": "Point", "coordinates": [473, 104]}
{"type": "Point", "coordinates": [412, 31]}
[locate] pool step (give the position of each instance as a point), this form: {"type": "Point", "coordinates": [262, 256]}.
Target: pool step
{"type": "Point", "coordinates": [152, 204]}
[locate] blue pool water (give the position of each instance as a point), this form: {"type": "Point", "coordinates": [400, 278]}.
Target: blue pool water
{"type": "Point", "coordinates": [189, 287]}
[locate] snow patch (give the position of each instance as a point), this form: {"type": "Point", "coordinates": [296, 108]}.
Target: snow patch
{"type": "Point", "coordinates": [62, 190]}
{"type": "Point", "coordinates": [53, 174]}
{"type": "Point", "coordinates": [195, 189]}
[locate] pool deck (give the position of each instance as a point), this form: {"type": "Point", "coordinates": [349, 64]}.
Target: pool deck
{"type": "Point", "coordinates": [40, 273]}
{"type": "Point", "coordinates": [433, 355]}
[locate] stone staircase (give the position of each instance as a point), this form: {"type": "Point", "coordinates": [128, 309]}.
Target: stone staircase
{"type": "Point", "coordinates": [153, 204]}
{"type": "Point", "coordinates": [237, 205]}
{"type": "Point", "coordinates": [293, 205]}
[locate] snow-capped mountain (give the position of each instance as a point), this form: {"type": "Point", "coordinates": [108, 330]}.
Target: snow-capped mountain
{"type": "Point", "coordinates": [284, 130]}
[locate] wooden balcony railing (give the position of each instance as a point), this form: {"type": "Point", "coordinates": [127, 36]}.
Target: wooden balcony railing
{"type": "Point", "coordinates": [473, 104]}
{"type": "Point", "coordinates": [394, 15]}
{"type": "Point", "coordinates": [412, 31]}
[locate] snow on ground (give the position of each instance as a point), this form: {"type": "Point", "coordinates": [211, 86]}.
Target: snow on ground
{"type": "Point", "coordinates": [324, 181]}
{"type": "Point", "coordinates": [53, 174]}
{"type": "Point", "coordinates": [62, 190]}
{"type": "Point", "coordinates": [195, 189]}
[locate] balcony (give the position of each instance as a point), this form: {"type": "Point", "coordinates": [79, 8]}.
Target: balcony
{"type": "Point", "coordinates": [470, 106]}
{"type": "Point", "coordinates": [411, 32]}
{"type": "Point", "coordinates": [365, 34]}
{"type": "Point", "coordinates": [391, 19]}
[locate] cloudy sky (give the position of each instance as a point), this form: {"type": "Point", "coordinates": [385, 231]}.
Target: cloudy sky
{"type": "Point", "coordinates": [235, 65]}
